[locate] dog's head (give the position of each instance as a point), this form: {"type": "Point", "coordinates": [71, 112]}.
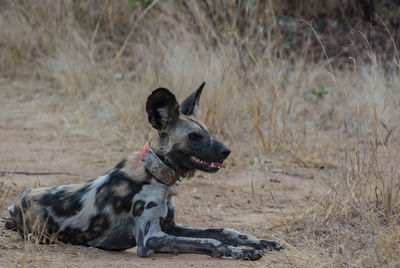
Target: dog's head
{"type": "Point", "coordinates": [182, 139]}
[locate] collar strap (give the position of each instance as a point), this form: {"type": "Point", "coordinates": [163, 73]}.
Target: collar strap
{"type": "Point", "coordinates": [157, 167]}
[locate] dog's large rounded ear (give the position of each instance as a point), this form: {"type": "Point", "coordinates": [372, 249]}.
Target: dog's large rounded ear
{"type": "Point", "coordinates": [191, 105]}
{"type": "Point", "coordinates": [162, 108]}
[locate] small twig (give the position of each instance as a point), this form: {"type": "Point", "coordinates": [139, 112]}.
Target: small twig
{"type": "Point", "coordinates": [275, 226]}
{"type": "Point", "coordinates": [236, 207]}
{"type": "Point", "coordinates": [389, 132]}
{"type": "Point", "coordinates": [121, 50]}
{"type": "Point", "coordinates": [3, 173]}
{"type": "Point", "coordinates": [324, 50]}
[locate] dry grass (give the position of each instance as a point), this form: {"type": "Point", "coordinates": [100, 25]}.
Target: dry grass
{"type": "Point", "coordinates": [90, 65]}
{"type": "Point", "coordinates": [6, 188]}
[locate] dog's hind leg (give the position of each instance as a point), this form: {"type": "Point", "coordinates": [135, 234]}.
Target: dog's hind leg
{"type": "Point", "coordinates": [10, 225]}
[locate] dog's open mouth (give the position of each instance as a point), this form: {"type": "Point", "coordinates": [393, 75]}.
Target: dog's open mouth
{"type": "Point", "coordinates": [206, 166]}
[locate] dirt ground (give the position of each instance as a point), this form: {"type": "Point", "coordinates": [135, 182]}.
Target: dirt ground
{"type": "Point", "coordinates": [251, 200]}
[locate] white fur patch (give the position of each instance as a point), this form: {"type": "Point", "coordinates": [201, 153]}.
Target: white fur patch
{"type": "Point", "coordinates": [163, 112]}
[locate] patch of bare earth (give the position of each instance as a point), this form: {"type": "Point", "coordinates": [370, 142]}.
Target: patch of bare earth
{"type": "Point", "coordinates": [251, 200]}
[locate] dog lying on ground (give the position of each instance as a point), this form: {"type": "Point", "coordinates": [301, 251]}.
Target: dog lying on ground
{"type": "Point", "coordinates": [132, 205]}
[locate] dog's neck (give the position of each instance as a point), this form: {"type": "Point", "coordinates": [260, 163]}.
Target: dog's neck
{"type": "Point", "coordinates": [158, 167]}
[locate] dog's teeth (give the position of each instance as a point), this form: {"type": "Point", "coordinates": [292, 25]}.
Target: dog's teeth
{"type": "Point", "coordinates": [209, 164]}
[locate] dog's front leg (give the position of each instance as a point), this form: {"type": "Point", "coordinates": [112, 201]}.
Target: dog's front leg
{"type": "Point", "coordinates": [164, 243]}
{"type": "Point", "coordinates": [224, 235]}
{"type": "Point", "coordinates": [151, 239]}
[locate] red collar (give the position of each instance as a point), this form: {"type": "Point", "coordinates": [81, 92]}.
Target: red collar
{"type": "Point", "coordinates": [145, 149]}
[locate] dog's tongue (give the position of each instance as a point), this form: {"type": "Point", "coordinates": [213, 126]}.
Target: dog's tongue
{"type": "Point", "coordinates": [219, 164]}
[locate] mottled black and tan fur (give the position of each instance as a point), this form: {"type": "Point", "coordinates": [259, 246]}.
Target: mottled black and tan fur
{"type": "Point", "coordinates": [128, 207]}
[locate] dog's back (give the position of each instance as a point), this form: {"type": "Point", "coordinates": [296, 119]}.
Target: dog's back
{"type": "Point", "coordinates": [84, 214]}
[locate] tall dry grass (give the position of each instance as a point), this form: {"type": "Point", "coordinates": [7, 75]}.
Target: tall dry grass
{"type": "Point", "coordinates": [275, 93]}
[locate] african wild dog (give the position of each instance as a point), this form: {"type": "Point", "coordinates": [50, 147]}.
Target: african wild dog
{"type": "Point", "coordinates": [133, 203]}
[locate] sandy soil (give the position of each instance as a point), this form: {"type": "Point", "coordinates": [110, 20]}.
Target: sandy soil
{"type": "Point", "coordinates": [248, 199]}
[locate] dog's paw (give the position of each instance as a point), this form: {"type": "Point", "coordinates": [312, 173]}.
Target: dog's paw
{"type": "Point", "coordinates": [269, 245]}
{"type": "Point", "coordinates": [247, 254]}
{"type": "Point", "coordinates": [252, 254]}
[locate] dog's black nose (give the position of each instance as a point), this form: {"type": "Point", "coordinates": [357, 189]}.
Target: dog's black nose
{"type": "Point", "coordinates": [225, 152]}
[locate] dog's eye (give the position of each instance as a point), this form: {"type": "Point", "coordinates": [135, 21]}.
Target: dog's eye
{"type": "Point", "coordinates": [194, 136]}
